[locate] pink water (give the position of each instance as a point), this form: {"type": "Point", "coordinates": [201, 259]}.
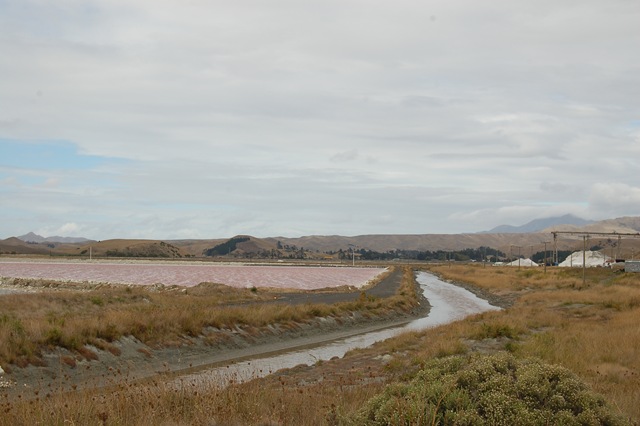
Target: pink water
{"type": "Point", "coordinates": [191, 274]}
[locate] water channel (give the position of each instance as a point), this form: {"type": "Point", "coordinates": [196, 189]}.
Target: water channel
{"type": "Point", "coordinates": [448, 303]}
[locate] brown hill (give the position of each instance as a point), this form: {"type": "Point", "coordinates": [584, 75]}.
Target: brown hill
{"type": "Point", "coordinates": [128, 248]}
{"type": "Point", "coordinates": [195, 248]}
{"type": "Point", "coordinates": [286, 247]}
{"type": "Point", "coordinates": [506, 242]}
{"type": "Point", "coordinates": [622, 225]}
{"type": "Point", "coordinates": [14, 245]}
{"type": "Point", "coordinates": [255, 245]}
{"type": "Point", "coordinates": [425, 242]}
{"type": "Point", "coordinates": [242, 246]}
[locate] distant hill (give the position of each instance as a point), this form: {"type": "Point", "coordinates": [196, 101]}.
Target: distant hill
{"type": "Point", "coordinates": [530, 237]}
{"type": "Point", "coordinates": [35, 238]}
{"type": "Point", "coordinates": [502, 239]}
{"type": "Point", "coordinates": [538, 225]}
{"type": "Point", "coordinates": [15, 245]}
{"type": "Point", "coordinates": [417, 242]}
{"type": "Point", "coordinates": [631, 223]}
{"type": "Point", "coordinates": [627, 225]}
{"type": "Point", "coordinates": [245, 246]}
{"type": "Point", "coordinates": [130, 248]}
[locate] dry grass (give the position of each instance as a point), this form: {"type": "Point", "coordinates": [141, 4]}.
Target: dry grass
{"type": "Point", "coordinates": [34, 322]}
{"type": "Point", "coordinates": [138, 310]}
{"type": "Point", "coordinates": [590, 329]}
{"type": "Point", "coordinates": [31, 323]}
{"type": "Point", "coordinates": [281, 402]}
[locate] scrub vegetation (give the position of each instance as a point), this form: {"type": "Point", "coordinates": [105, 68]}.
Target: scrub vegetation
{"type": "Point", "coordinates": [488, 390]}
{"type": "Point", "coordinates": [563, 351]}
{"type": "Point", "coordinates": [80, 316]}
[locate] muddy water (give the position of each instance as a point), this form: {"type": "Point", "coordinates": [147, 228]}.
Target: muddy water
{"type": "Point", "coordinates": [448, 303]}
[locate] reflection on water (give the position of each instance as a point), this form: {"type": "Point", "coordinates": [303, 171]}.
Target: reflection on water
{"type": "Point", "coordinates": [448, 303]}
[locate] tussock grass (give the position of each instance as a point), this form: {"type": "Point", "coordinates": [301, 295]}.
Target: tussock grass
{"type": "Point", "coordinates": [34, 322]}
{"type": "Point", "coordinates": [280, 402]}
{"type": "Point", "coordinates": [147, 315]}
{"type": "Point", "coordinates": [590, 330]}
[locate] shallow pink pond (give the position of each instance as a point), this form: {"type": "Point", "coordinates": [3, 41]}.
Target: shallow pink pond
{"type": "Point", "coordinates": [299, 277]}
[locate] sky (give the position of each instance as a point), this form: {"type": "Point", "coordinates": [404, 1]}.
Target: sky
{"type": "Point", "coordinates": [208, 119]}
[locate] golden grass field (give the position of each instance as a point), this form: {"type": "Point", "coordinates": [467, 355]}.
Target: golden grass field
{"type": "Point", "coordinates": [591, 328]}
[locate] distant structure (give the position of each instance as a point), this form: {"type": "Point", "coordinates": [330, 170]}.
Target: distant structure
{"type": "Point", "coordinates": [632, 266]}
{"type": "Point", "coordinates": [585, 236]}
{"type": "Point", "coordinates": [522, 262]}
{"type": "Point", "coordinates": [589, 258]}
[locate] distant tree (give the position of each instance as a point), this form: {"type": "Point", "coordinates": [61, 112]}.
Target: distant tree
{"type": "Point", "coordinates": [341, 254]}
{"type": "Point", "coordinates": [225, 248]}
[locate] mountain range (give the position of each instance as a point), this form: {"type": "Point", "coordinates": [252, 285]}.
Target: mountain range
{"type": "Point", "coordinates": [538, 225]}
{"type": "Point", "coordinates": [35, 238]}
{"type": "Point", "coordinates": [531, 237]}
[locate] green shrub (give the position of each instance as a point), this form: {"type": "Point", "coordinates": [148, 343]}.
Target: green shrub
{"type": "Point", "coordinates": [12, 324]}
{"type": "Point", "coordinates": [488, 390]}
{"type": "Point", "coordinates": [495, 330]}
{"type": "Point", "coordinates": [97, 300]}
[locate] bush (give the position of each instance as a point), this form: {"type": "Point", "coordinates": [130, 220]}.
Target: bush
{"type": "Point", "coordinates": [492, 331]}
{"type": "Point", "coordinates": [491, 390]}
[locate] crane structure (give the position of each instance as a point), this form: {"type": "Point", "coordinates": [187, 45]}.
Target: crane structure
{"type": "Point", "coordinates": [585, 236]}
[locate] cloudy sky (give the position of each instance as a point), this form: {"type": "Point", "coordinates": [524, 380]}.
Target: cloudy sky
{"type": "Point", "coordinates": [207, 119]}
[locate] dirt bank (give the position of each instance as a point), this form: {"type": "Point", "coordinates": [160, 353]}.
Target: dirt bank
{"type": "Point", "coordinates": [502, 301]}
{"type": "Point", "coordinates": [132, 360]}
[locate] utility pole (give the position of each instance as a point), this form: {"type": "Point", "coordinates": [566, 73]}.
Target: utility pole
{"type": "Point", "coordinates": [584, 259]}
{"type": "Point", "coordinates": [545, 257]}
{"type": "Point", "coordinates": [519, 247]}
{"type": "Point", "coordinates": [353, 254]}
{"type": "Point", "coordinates": [519, 257]}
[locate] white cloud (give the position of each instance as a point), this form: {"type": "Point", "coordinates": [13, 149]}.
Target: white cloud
{"type": "Point", "coordinates": [66, 230]}
{"type": "Point", "coordinates": [617, 199]}
{"type": "Point", "coordinates": [443, 117]}
{"type": "Point", "coordinates": [345, 156]}
{"type": "Point", "coordinates": [69, 229]}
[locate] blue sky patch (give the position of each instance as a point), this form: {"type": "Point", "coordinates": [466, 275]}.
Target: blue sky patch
{"type": "Point", "coordinates": [51, 155]}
